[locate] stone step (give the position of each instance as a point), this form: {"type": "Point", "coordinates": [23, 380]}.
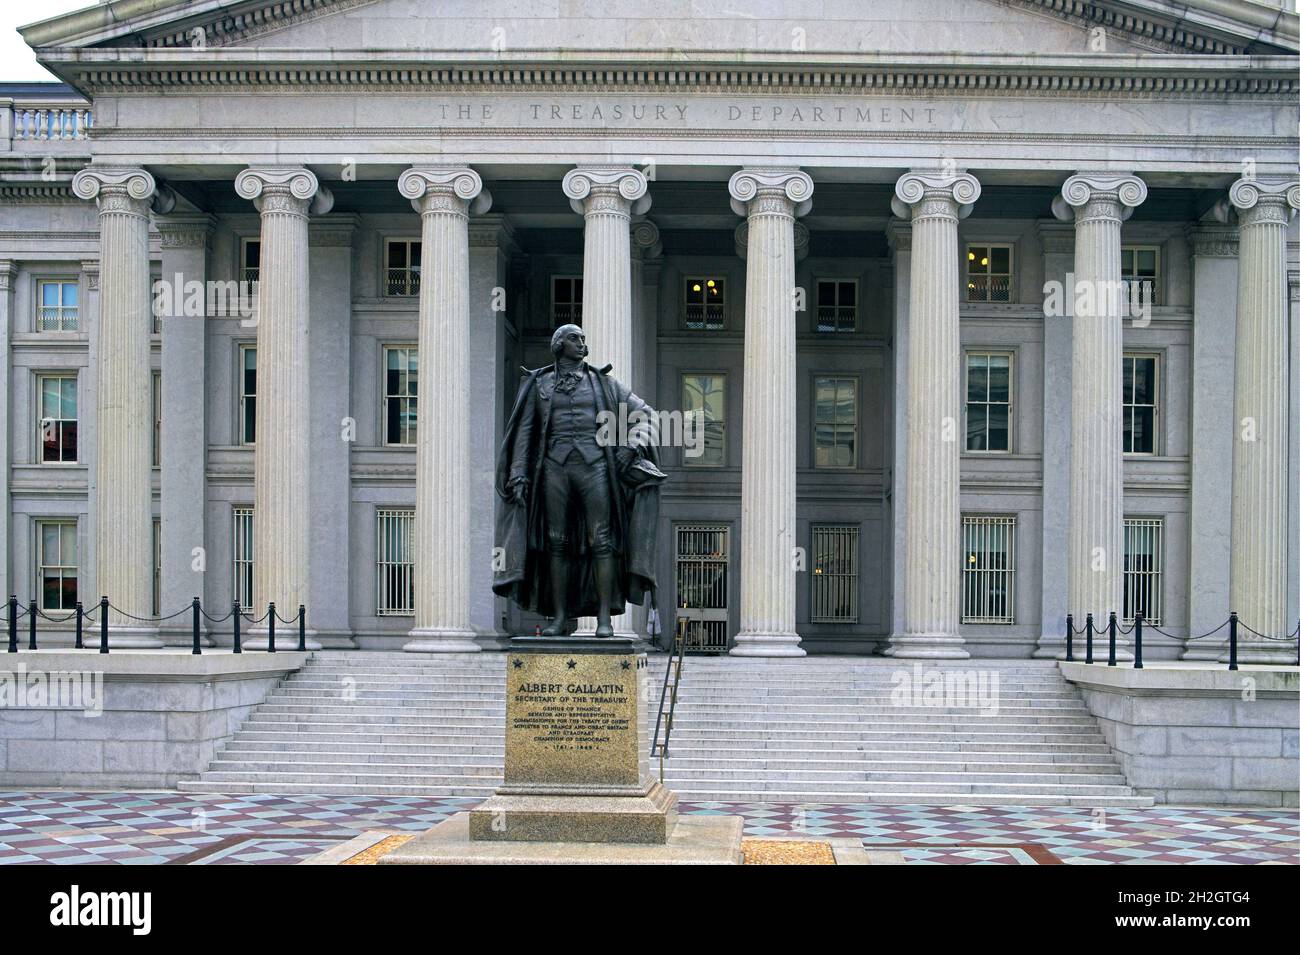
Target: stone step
{"type": "Point", "coordinates": [493, 688]}
{"type": "Point", "coordinates": [292, 693]}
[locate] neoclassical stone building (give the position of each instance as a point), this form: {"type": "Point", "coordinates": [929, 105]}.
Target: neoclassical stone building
{"type": "Point", "coordinates": [986, 311]}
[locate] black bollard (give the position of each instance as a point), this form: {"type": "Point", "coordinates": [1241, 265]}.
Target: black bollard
{"type": "Point", "coordinates": [31, 625]}
{"type": "Point", "coordinates": [81, 615]}
{"type": "Point", "coordinates": [13, 623]}
{"type": "Point", "coordinates": [1088, 627]}
{"type": "Point", "coordinates": [302, 627]}
{"type": "Point", "coordinates": [270, 633]}
{"type": "Point", "coordinates": [196, 609]}
{"type": "Point", "coordinates": [1110, 658]}
{"type": "Point", "coordinates": [1137, 642]}
{"type": "Point", "coordinates": [1069, 638]}
{"type": "Point", "coordinates": [103, 624]}
{"type": "Point", "coordinates": [238, 647]}
{"type": "Point", "coordinates": [1232, 640]}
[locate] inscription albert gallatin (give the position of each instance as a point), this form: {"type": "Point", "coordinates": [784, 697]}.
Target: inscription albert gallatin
{"type": "Point", "coordinates": [570, 716]}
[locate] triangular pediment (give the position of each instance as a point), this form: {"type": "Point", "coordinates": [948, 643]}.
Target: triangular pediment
{"type": "Point", "coordinates": [681, 29]}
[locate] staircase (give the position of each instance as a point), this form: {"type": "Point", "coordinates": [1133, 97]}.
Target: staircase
{"type": "Point", "coordinates": [814, 730]}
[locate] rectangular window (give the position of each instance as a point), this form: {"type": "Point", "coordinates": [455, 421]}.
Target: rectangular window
{"type": "Point", "coordinates": [157, 567]}
{"type": "Point", "coordinates": [57, 311]}
{"type": "Point", "coordinates": [56, 564]}
{"type": "Point", "coordinates": [988, 401]}
{"type": "Point", "coordinates": [58, 422]}
{"type": "Point", "coordinates": [401, 379]}
{"type": "Point", "coordinates": [1143, 563]}
{"type": "Point", "coordinates": [395, 563]}
{"type": "Point", "coordinates": [989, 569]}
{"type": "Point", "coordinates": [1140, 265]}
{"type": "Point", "coordinates": [247, 394]}
{"type": "Point", "coordinates": [1141, 388]}
{"type": "Point", "coordinates": [837, 305]}
{"type": "Point", "coordinates": [250, 260]}
{"type": "Point", "coordinates": [835, 573]}
{"type": "Point", "coordinates": [706, 303]}
{"type": "Point", "coordinates": [157, 419]}
{"type": "Point", "coordinates": [988, 273]}
{"type": "Point", "coordinates": [835, 424]}
{"type": "Point", "coordinates": [402, 267]}
{"type": "Point", "coordinates": [241, 550]}
{"type": "Point", "coordinates": [566, 300]}
{"type": "Point", "coordinates": [704, 420]}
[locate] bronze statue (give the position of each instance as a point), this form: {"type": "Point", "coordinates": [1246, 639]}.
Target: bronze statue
{"type": "Point", "coordinates": [579, 499]}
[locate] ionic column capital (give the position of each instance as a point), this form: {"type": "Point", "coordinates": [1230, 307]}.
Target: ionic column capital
{"type": "Point", "coordinates": [775, 191]}
{"type": "Point", "coordinates": [289, 189]}
{"type": "Point", "coordinates": [621, 190]}
{"type": "Point", "coordinates": [125, 189]}
{"type": "Point", "coordinates": [456, 190]}
{"type": "Point", "coordinates": [1099, 195]}
{"type": "Point", "coordinates": [923, 193]}
{"type": "Point", "coordinates": [645, 240]}
{"type": "Point", "coordinates": [802, 240]}
{"type": "Point", "coordinates": [1259, 201]}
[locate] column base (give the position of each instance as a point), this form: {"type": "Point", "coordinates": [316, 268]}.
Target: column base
{"type": "Point", "coordinates": [260, 639]}
{"type": "Point", "coordinates": [921, 646]}
{"type": "Point", "coordinates": [750, 644]}
{"type": "Point", "coordinates": [124, 638]}
{"type": "Point", "coordinates": [1280, 655]}
{"type": "Point", "coordinates": [1200, 652]}
{"type": "Point", "coordinates": [441, 640]}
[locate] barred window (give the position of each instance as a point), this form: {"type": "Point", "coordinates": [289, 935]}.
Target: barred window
{"type": "Point", "coordinates": [1139, 265]}
{"type": "Point", "coordinates": [58, 311]}
{"type": "Point", "coordinates": [57, 427]}
{"type": "Point", "coordinates": [704, 410]}
{"type": "Point", "coordinates": [1141, 390]}
{"type": "Point", "coordinates": [56, 564]}
{"type": "Point", "coordinates": [250, 260]}
{"type": "Point", "coordinates": [395, 562]}
{"type": "Point", "coordinates": [247, 394]}
{"type": "Point", "coordinates": [989, 569]}
{"type": "Point", "coordinates": [401, 390]}
{"type": "Point", "coordinates": [988, 401]}
{"type": "Point", "coordinates": [706, 303]}
{"type": "Point", "coordinates": [566, 300]}
{"type": "Point", "coordinates": [835, 422]}
{"type": "Point", "coordinates": [988, 273]}
{"type": "Point", "coordinates": [402, 267]}
{"type": "Point", "coordinates": [837, 305]}
{"type": "Point", "coordinates": [835, 573]}
{"type": "Point", "coordinates": [241, 550]}
{"type": "Point", "coordinates": [1143, 565]}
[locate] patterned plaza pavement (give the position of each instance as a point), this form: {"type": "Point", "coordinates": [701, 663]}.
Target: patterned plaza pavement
{"type": "Point", "coordinates": [191, 829]}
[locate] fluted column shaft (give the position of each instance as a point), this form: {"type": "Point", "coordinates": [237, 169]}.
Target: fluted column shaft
{"type": "Point", "coordinates": [1258, 574]}
{"type": "Point", "coordinates": [932, 556]}
{"type": "Point", "coordinates": [442, 196]}
{"type": "Point", "coordinates": [281, 458]}
{"type": "Point", "coordinates": [770, 199]}
{"type": "Point", "coordinates": [1099, 203]}
{"type": "Point", "coordinates": [123, 435]}
{"type": "Point", "coordinates": [605, 197]}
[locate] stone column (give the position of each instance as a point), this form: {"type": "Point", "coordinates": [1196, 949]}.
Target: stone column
{"type": "Point", "coordinates": [1098, 203]}
{"type": "Point", "coordinates": [124, 400]}
{"type": "Point", "coordinates": [1260, 476]}
{"type": "Point", "coordinates": [183, 501]}
{"type": "Point", "coordinates": [606, 197]}
{"type": "Point", "coordinates": [933, 201]}
{"type": "Point", "coordinates": [1214, 302]}
{"type": "Point", "coordinates": [770, 199]}
{"type": "Point", "coordinates": [285, 196]}
{"type": "Point", "coordinates": [444, 196]}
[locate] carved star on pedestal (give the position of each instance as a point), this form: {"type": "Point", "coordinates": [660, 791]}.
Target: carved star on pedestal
{"type": "Point", "coordinates": [573, 664]}
{"type": "Point", "coordinates": [626, 665]}
{"type": "Point", "coordinates": [517, 663]}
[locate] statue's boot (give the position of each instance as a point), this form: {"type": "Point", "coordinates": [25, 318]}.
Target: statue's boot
{"type": "Point", "coordinates": [560, 589]}
{"type": "Point", "coordinates": [604, 587]}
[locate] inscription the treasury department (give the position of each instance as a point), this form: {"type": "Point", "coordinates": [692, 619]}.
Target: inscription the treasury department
{"type": "Point", "coordinates": [750, 113]}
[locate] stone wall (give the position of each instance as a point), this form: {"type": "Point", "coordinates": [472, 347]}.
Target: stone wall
{"type": "Point", "coordinates": [162, 714]}
{"type": "Point", "coordinates": [1200, 736]}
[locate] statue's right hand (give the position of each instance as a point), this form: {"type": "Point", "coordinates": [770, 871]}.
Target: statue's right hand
{"type": "Point", "coordinates": [520, 493]}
